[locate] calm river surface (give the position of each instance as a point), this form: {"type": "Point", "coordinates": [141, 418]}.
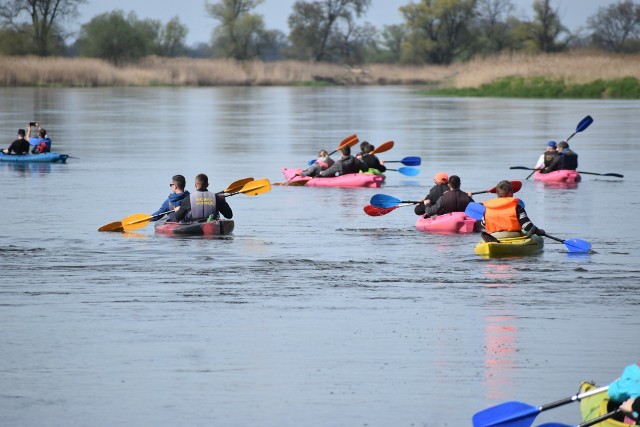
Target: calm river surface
{"type": "Point", "coordinates": [312, 313]}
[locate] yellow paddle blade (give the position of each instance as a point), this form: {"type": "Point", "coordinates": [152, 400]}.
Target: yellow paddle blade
{"type": "Point", "coordinates": [113, 226]}
{"type": "Point", "coordinates": [253, 188]}
{"type": "Point", "coordinates": [237, 185]}
{"type": "Point", "coordinates": [135, 221]}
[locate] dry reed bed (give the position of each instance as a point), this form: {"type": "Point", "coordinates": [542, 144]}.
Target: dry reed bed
{"type": "Point", "coordinates": [87, 72]}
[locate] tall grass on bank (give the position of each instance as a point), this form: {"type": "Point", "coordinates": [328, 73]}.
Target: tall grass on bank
{"type": "Point", "coordinates": [568, 70]}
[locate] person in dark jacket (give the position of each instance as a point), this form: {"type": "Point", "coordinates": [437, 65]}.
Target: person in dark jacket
{"type": "Point", "coordinates": [566, 159]}
{"type": "Point", "coordinates": [346, 165]}
{"type": "Point", "coordinates": [19, 146]}
{"type": "Point", "coordinates": [203, 204]}
{"type": "Point", "coordinates": [441, 180]}
{"type": "Point", "coordinates": [177, 195]}
{"type": "Point", "coordinates": [547, 157]}
{"type": "Point", "coordinates": [370, 160]}
{"type": "Point", "coordinates": [453, 200]}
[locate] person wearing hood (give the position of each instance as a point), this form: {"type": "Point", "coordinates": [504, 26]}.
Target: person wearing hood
{"type": "Point", "coordinates": [175, 199]}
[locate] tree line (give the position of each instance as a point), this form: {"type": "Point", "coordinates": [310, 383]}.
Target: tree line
{"type": "Point", "coordinates": [432, 32]}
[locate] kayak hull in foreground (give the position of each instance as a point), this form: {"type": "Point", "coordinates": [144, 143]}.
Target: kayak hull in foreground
{"type": "Point", "coordinates": [364, 180]}
{"type": "Point", "coordinates": [221, 227]}
{"type": "Point", "coordinates": [594, 406]}
{"type": "Point", "coordinates": [511, 246]}
{"type": "Point", "coordinates": [558, 176]}
{"type": "Point", "coordinates": [454, 222]}
{"type": "Point", "coordinates": [34, 158]}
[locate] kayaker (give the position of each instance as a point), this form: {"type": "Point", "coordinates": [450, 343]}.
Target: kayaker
{"type": "Point", "coordinates": [441, 180]}
{"type": "Point", "coordinates": [632, 406]}
{"type": "Point", "coordinates": [505, 215]}
{"type": "Point", "coordinates": [346, 165]}
{"type": "Point", "coordinates": [453, 200]}
{"type": "Point", "coordinates": [323, 162]}
{"type": "Point", "coordinates": [566, 159]}
{"type": "Point", "coordinates": [203, 204]}
{"type": "Point", "coordinates": [41, 143]}
{"type": "Point", "coordinates": [547, 157]}
{"type": "Point", "coordinates": [626, 389]}
{"type": "Point", "coordinates": [19, 146]}
{"type": "Point", "coordinates": [370, 161]}
{"type": "Point", "coordinates": [177, 195]}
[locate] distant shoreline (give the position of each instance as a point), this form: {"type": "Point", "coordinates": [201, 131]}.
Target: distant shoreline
{"type": "Point", "coordinates": [572, 68]}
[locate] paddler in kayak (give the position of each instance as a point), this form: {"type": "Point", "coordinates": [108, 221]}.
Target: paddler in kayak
{"type": "Point", "coordinates": [626, 389]}
{"type": "Point", "coordinates": [371, 162]}
{"type": "Point", "coordinates": [19, 146]}
{"type": "Point", "coordinates": [505, 215]}
{"type": "Point", "coordinates": [322, 163]}
{"type": "Point", "coordinates": [452, 200]}
{"type": "Point", "coordinates": [177, 195]}
{"type": "Point", "coordinates": [441, 180]}
{"type": "Point", "coordinates": [547, 157]}
{"type": "Point", "coordinates": [566, 159]}
{"type": "Point", "coordinates": [203, 204]}
{"type": "Point", "coordinates": [346, 165]}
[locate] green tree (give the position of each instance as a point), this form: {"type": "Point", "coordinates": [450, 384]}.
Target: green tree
{"type": "Point", "coordinates": [42, 21]}
{"type": "Point", "coordinates": [172, 38]}
{"type": "Point", "coordinates": [118, 38]}
{"type": "Point", "coordinates": [438, 30]}
{"type": "Point", "coordinates": [325, 30]}
{"type": "Point", "coordinates": [616, 27]}
{"type": "Point", "coordinates": [240, 33]}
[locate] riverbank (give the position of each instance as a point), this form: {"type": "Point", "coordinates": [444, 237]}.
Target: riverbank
{"type": "Point", "coordinates": [567, 69]}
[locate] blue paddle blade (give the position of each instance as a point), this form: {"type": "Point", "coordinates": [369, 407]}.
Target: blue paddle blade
{"type": "Point", "coordinates": [577, 245]}
{"type": "Point", "coordinates": [411, 161]}
{"type": "Point", "coordinates": [475, 210]}
{"type": "Point", "coordinates": [384, 201]}
{"type": "Point", "coordinates": [584, 124]}
{"type": "Point", "coordinates": [310, 162]}
{"type": "Point", "coordinates": [409, 171]}
{"type": "Point", "coordinates": [554, 425]}
{"type": "Point", "coordinates": [507, 414]}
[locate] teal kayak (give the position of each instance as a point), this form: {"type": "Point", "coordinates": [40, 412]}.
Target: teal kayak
{"type": "Point", "coordinates": [34, 158]}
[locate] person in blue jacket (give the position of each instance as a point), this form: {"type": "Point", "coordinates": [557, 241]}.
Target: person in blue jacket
{"type": "Point", "coordinates": [42, 142]}
{"type": "Point", "coordinates": [626, 389]}
{"type": "Point", "coordinates": [175, 199]}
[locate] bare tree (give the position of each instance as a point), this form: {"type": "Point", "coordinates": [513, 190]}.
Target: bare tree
{"type": "Point", "coordinates": [546, 26]}
{"type": "Point", "coordinates": [240, 32]}
{"type": "Point", "coordinates": [45, 17]}
{"type": "Point", "coordinates": [493, 23]}
{"type": "Point", "coordinates": [615, 25]}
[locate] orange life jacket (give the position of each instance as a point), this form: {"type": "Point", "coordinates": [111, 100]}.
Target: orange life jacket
{"type": "Point", "coordinates": [501, 215]}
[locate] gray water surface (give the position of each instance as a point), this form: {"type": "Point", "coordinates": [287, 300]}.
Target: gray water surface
{"type": "Point", "coordinates": [312, 313]}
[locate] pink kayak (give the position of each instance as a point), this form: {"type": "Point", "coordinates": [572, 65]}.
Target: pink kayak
{"type": "Point", "coordinates": [454, 222]}
{"type": "Point", "coordinates": [350, 180]}
{"type": "Point", "coordinates": [558, 176]}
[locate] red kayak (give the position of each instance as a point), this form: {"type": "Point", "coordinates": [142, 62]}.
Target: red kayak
{"type": "Point", "coordinates": [350, 180]}
{"type": "Point", "coordinates": [454, 222]}
{"type": "Point", "coordinates": [558, 176]}
{"type": "Point", "coordinates": [219, 227]}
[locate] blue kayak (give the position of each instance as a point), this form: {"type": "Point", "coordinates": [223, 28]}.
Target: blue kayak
{"type": "Point", "coordinates": [34, 158]}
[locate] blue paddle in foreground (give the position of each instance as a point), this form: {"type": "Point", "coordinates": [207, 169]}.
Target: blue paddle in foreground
{"type": "Point", "coordinates": [407, 161]}
{"type": "Point", "coordinates": [520, 414]}
{"type": "Point", "coordinates": [587, 423]}
{"type": "Point", "coordinates": [384, 201]}
{"type": "Point", "coordinates": [406, 171]}
{"type": "Point", "coordinates": [476, 211]}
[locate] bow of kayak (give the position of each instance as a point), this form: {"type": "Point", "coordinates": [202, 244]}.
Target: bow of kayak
{"type": "Point", "coordinates": [511, 246]}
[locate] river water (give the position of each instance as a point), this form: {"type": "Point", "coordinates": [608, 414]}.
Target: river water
{"type": "Point", "coordinates": [312, 313]}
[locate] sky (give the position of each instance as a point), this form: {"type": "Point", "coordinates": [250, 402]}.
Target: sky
{"type": "Point", "coordinates": [192, 13]}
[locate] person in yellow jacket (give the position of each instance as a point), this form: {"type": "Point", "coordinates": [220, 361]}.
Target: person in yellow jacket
{"type": "Point", "coordinates": [505, 215]}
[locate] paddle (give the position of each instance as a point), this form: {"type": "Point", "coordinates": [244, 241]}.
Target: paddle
{"type": "Point", "coordinates": [236, 185]}
{"type": "Point", "coordinates": [373, 211]}
{"type": "Point", "coordinates": [587, 423]}
{"type": "Point", "coordinates": [112, 226]}
{"type": "Point", "coordinates": [476, 211]}
{"type": "Point", "coordinates": [406, 171]}
{"type": "Point", "coordinates": [407, 161]}
{"type": "Point", "coordinates": [384, 201]}
{"type": "Point", "coordinates": [253, 188]}
{"type": "Point", "coordinates": [617, 175]}
{"type": "Point", "coordinates": [515, 185]}
{"type": "Point", "coordinates": [520, 414]}
{"type": "Point", "coordinates": [385, 146]}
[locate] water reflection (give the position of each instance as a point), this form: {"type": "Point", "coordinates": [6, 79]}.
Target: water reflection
{"type": "Point", "coordinates": [26, 169]}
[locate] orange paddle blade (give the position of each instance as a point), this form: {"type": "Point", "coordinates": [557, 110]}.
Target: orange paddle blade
{"type": "Point", "coordinates": [135, 221]}
{"type": "Point", "coordinates": [114, 226]}
{"type": "Point", "coordinates": [256, 187]}
{"type": "Point", "coordinates": [237, 185]}
{"type": "Point", "coordinates": [383, 147]}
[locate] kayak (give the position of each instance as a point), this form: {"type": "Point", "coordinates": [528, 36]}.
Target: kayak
{"type": "Point", "coordinates": [34, 158]}
{"type": "Point", "coordinates": [511, 246]}
{"type": "Point", "coordinates": [350, 180]}
{"type": "Point", "coordinates": [558, 176]}
{"type": "Point", "coordinates": [594, 406]}
{"type": "Point", "coordinates": [454, 222]}
{"type": "Point", "coordinates": [220, 227]}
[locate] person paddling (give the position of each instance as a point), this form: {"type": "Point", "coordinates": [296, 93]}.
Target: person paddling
{"type": "Point", "coordinates": [505, 215]}
{"type": "Point", "coordinates": [453, 200]}
{"type": "Point", "coordinates": [322, 163]}
{"type": "Point", "coordinates": [346, 165]}
{"type": "Point", "coordinates": [441, 180]}
{"type": "Point", "coordinates": [566, 159]}
{"type": "Point", "coordinates": [547, 157]}
{"type": "Point", "coordinates": [371, 161]}
{"type": "Point", "coordinates": [19, 146]}
{"type": "Point", "coordinates": [626, 389]}
{"type": "Point", "coordinates": [178, 194]}
{"type": "Point", "coordinates": [203, 204]}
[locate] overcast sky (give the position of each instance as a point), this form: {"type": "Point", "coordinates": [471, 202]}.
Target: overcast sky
{"type": "Point", "coordinates": [573, 13]}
